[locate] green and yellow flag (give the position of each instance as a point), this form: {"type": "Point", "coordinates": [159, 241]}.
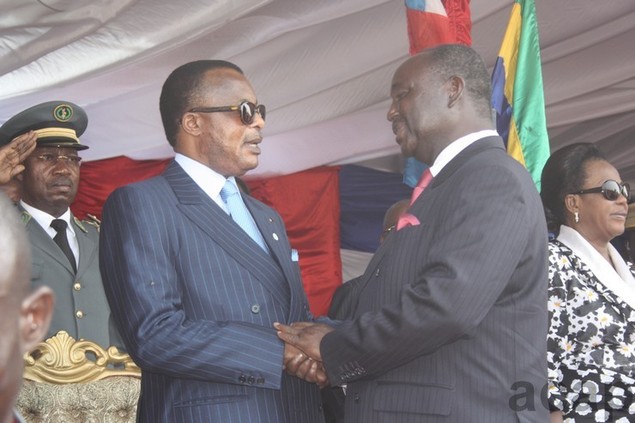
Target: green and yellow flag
{"type": "Point", "coordinates": [517, 93]}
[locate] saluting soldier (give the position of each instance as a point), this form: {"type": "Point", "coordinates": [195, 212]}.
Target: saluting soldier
{"type": "Point", "coordinates": [65, 250]}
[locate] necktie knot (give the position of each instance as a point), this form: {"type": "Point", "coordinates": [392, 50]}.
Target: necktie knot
{"type": "Point", "coordinates": [59, 225]}
{"type": "Point", "coordinates": [228, 190]}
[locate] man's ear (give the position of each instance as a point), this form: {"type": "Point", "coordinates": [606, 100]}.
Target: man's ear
{"type": "Point", "coordinates": [36, 312]}
{"type": "Point", "coordinates": [456, 85]}
{"type": "Point", "coordinates": [189, 123]}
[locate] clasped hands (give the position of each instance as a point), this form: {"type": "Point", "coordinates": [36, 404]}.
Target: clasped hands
{"type": "Point", "coordinates": [302, 350]}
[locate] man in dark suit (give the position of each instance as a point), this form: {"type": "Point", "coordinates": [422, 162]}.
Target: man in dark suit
{"type": "Point", "coordinates": [65, 258]}
{"type": "Point", "coordinates": [451, 318]}
{"type": "Point", "coordinates": [196, 283]}
{"type": "Point", "coordinates": [26, 313]}
{"type": "Point", "coordinates": [342, 306]}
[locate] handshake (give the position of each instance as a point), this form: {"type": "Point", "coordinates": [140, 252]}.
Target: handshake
{"type": "Point", "coordinates": [302, 356]}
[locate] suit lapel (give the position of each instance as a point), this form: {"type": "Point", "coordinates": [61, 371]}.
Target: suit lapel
{"type": "Point", "coordinates": [218, 225]}
{"type": "Point", "coordinates": [276, 239]}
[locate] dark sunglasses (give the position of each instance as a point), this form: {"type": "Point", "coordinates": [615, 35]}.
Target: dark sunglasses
{"type": "Point", "coordinates": [247, 110]}
{"type": "Point", "coordinates": [611, 190]}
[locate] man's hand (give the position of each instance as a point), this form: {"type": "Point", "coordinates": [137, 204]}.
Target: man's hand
{"type": "Point", "coordinates": [13, 154]}
{"type": "Point", "coordinates": [300, 365]}
{"type": "Point", "coordinates": [305, 336]}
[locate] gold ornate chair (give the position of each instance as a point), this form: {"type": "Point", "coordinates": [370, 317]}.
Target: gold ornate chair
{"type": "Point", "coordinates": [68, 381]}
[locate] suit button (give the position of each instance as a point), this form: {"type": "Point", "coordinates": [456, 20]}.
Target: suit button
{"type": "Point", "coordinates": [255, 309]}
{"type": "Point", "coordinates": [356, 397]}
{"type": "Point", "coordinates": [242, 379]}
{"type": "Point", "coordinates": [79, 314]}
{"type": "Point", "coordinates": [77, 286]}
{"type": "Point", "coordinates": [251, 380]}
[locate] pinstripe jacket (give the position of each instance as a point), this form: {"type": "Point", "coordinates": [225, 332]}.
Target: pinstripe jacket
{"type": "Point", "coordinates": [451, 317]}
{"type": "Point", "coordinates": [195, 299]}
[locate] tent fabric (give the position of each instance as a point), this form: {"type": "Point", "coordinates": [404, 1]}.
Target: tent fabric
{"type": "Point", "coordinates": [99, 178]}
{"type": "Point", "coordinates": [322, 67]}
{"type": "Point", "coordinates": [309, 204]}
{"type": "Point", "coordinates": [365, 195]}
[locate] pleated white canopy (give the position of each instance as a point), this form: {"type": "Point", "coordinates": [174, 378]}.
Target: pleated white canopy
{"type": "Point", "coordinates": [322, 67]}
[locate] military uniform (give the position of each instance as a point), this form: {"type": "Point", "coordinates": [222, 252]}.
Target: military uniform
{"type": "Point", "coordinates": [81, 307]}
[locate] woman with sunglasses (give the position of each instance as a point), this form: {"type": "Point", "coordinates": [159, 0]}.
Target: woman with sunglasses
{"type": "Point", "coordinates": [591, 338]}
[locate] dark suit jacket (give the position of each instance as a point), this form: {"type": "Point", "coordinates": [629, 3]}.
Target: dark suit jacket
{"type": "Point", "coordinates": [344, 300]}
{"type": "Point", "coordinates": [196, 298]}
{"type": "Point", "coordinates": [341, 308]}
{"type": "Point", "coordinates": [451, 317]}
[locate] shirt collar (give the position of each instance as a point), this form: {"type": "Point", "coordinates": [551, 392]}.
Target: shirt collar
{"type": "Point", "coordinates": [45, 219]}
{"type": "Point", "coordinates": [210, 181]}
{"type": "Point", "coordinates": [453, 150]}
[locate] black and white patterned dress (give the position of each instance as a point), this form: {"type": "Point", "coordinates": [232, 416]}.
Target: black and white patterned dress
{"type": "Point", "coordinates": [591, 344]}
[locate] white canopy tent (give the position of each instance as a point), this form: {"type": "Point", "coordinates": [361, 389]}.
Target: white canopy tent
{"type": "Point", "coordinates": [322, 67]}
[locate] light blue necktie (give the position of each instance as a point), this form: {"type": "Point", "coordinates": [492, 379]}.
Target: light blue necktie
{"type": "Point", "coordinates": [238, 211]}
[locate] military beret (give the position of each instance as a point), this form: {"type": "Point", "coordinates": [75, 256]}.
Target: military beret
{"type": "Point", "coordinates": [56, 123]}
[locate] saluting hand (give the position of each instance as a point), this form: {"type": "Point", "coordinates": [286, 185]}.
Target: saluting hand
{"type": "Point", "coordinates": [13, 154]}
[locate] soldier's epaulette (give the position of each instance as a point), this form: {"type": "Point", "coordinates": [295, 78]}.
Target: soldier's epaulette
{"type": "Point", "coordinates": [93, 221]}
{"type": "Point", "coordinates": [25, 216]}
{"type": "Point", "coordinates": [79, 224]}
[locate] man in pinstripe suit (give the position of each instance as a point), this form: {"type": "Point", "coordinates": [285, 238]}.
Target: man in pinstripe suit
{"type": "Point", "coordinates": [451, 315]}
{"type": "Point", "coordinates": [194, 295]}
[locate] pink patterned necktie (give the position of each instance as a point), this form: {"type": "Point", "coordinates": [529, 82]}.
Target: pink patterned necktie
{"type": "Point", "coordinates": [424, 181]}
{"type": "Point", "coordinates": [408, 219]}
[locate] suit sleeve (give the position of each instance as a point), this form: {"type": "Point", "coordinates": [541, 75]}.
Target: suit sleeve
{"type": "Point", "coordinates": [138, 255]}
{"type": "Point", "coordinates": [479, 233]}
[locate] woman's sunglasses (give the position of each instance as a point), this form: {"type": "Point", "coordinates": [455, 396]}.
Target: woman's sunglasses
{"type": "Point", "coordinates": [247, 110]}
{"type": "Point", "coordinates": [611, 190]}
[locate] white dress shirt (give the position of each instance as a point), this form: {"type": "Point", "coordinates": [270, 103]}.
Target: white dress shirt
{"type": "Point", "coordinates": [453, 150]}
